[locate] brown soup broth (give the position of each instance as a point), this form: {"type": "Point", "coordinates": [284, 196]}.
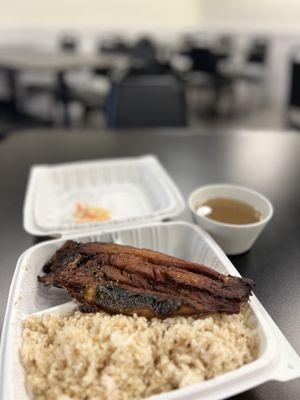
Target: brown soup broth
{"type": "Point", "coordinates": [229, 211]}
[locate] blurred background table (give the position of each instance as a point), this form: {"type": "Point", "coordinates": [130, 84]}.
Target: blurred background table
{"type": "Point", "coordinates": [268, 162]}
{"type": "Point", "coordinates": [38, 60]}
{"type": "Point", "coordinates": [15, 61]}
{"type": "Point", "coordinates": [92, 82]}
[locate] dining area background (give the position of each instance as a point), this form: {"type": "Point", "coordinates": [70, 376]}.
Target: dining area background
{"type": "Point", "coordinates": [159, 101]}
{"type": "Point", "coordinates": [71, 65]}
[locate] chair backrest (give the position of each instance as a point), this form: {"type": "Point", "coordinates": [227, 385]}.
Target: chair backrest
{"type": "Point", "coordinates": [144, 50]}
{"type": "Point", "coordinates": [146, 101]}
{"type": "Point", "coordinates": [226, 42]}
{"type": "Point", "coordinates": [156, 67]}
{"type": "Point", "coordinates": [204, 60]}
{"type": "Point", "coordinates": [258, 52]}
{"type": "Point", "coordinates": [112, 45]}
{"type": "Point", "coordinates": [68, 43]}
{"type": "Point", "coordinates": [294, 94]}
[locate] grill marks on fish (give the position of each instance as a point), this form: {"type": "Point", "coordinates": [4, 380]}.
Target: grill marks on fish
{"type": "Point", "coordinates": [128, 280]}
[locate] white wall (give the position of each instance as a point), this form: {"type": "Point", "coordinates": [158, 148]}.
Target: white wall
{"type": "Point", "coordinates": [100, 14]}
{"type": "Point", "coordinates": [135, 15]}
{"type": "Point", "coordinates": [278, 20]}
{"type": "Point", "coordinates": [263, 15]}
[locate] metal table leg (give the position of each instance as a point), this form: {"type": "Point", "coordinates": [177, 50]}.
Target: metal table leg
{"type": "Point", "coordinates": [12, 84]}
{"type": "Point", "coordinates": [63, 96]}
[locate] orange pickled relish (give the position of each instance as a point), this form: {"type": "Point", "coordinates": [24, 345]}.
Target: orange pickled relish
{"type": "Point", "coordinates": [87, 213]}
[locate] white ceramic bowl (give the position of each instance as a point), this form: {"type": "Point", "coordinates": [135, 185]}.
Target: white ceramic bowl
{"type": "Point", "coordinates": [234, 239]}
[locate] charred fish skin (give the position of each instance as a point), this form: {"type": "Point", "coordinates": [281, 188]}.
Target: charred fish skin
{"type": "Point", "coordinates": [123, 279]}
{"type": "Point", "coordinates": [115, 299]}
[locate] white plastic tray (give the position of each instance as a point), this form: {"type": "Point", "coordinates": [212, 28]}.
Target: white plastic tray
{"type": "Point", "coordinates": [277, 360]}
{"type": "Point", "coordinates": [135, 190]}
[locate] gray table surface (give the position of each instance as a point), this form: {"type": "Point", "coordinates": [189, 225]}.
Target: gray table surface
{"type": "Point", "coordinates": [45, 61]}
{"type": "Point", "coordinates": [267, 162]}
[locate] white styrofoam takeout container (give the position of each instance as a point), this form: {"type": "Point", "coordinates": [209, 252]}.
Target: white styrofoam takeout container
{"type": "Point", "coordinates": [276, 361]}
{"type": "Point", "coordinates": [134, 190]}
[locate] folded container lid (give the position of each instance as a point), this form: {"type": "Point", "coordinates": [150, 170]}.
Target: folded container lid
{"type": "Point", "coordinates": [136, 190]}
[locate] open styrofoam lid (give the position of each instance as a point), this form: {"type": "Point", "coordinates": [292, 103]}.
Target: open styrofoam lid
{"type": "Point", "coordinates": [134, 190]}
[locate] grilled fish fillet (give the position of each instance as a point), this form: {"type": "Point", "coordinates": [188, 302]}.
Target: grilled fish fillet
{"type": "Point", "coordinates": [128, 280]}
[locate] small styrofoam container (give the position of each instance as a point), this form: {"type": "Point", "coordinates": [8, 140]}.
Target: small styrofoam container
{"type": "Point", "coordinates": [233, 238]}
{"type": "Point", "coordinates": [134, 190]}
{"type": "Point", "coordinates": [276, 360]}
